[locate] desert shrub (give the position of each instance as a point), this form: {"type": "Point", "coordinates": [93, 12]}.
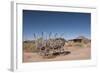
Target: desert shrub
{"type": "Point", "coordinates": [88, 45]}
{"type": "Point", "coordinates": [78, 45]}
{"type": "Point", "coordinates": [29, 47]}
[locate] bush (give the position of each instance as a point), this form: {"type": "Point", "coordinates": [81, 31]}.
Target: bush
{"type": "Point", "coordinates": [29, 47]}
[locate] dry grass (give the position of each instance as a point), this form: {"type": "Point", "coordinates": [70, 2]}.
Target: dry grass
{"type": "Point", "coordinates": [29, 47]}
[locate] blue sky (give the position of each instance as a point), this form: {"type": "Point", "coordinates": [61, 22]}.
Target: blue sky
{"type": "Point", "coordinates": [72, 24]}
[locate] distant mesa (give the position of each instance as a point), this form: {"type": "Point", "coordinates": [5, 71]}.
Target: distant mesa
{"type": "Point", "coordinates": [81, 39]}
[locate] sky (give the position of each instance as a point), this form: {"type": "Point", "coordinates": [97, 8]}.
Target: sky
{"type": "Point", "coordinates": [70, 24]}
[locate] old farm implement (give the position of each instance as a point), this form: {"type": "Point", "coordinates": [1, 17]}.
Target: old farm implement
{"type": "Point", "coordinates": [51, 47]}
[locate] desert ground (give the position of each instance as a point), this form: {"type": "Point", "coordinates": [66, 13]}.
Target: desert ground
{"type": "Point", "coordinates": [77, 53]}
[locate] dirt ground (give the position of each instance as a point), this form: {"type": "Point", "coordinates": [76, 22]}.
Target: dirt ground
{"type": "Point", "coordinates": [76, 54]}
